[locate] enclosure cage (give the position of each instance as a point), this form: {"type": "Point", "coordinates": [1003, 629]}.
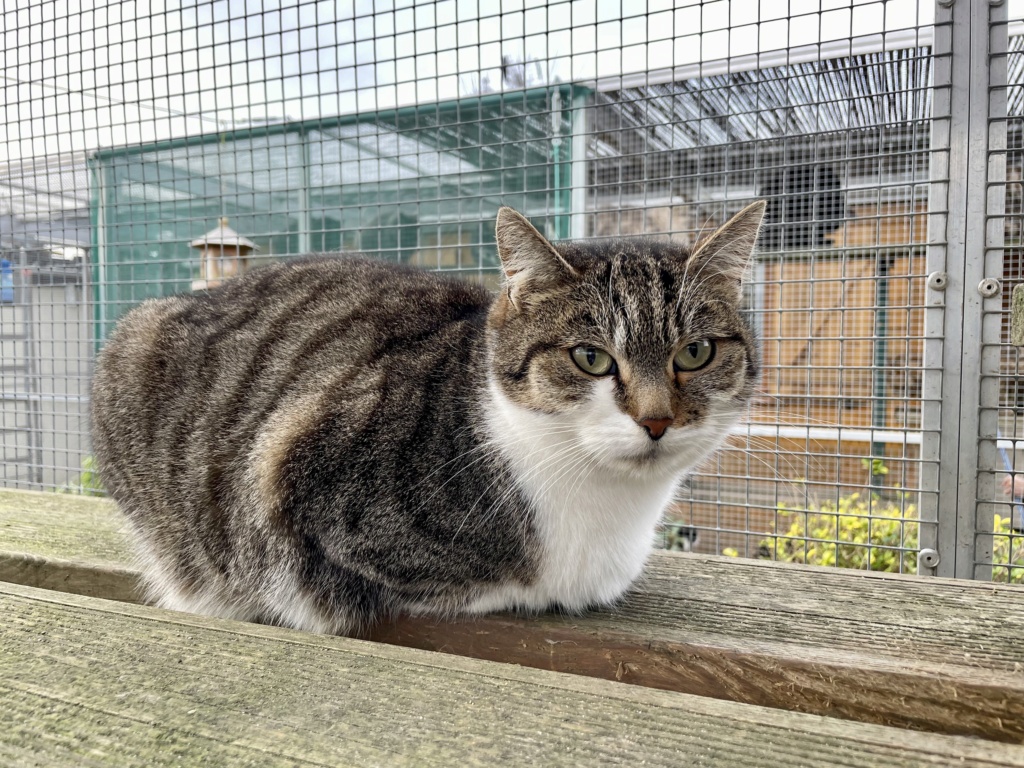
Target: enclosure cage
{"type": "Point", "coordinates": [419, 185]}
{"type": "Point", "coordinates": [885, 136]}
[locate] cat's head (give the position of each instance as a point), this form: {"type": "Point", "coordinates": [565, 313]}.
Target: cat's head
{"type": "Point", "coordinates": [635, 349]}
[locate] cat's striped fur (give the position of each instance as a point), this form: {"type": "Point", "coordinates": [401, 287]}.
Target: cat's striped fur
{"type": "Point", "coordinates": [329, 441]}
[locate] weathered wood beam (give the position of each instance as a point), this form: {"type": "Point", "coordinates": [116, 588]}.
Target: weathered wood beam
{"type": "Point", "coordinates": [92, 682]}
{"type": "Point", "coordinates": [932, 654]}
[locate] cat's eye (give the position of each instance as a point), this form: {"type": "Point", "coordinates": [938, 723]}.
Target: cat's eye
{"type": "Point", "coordinates": [594, 361]}
{"type": "Point", "coordinates": [694, 355]}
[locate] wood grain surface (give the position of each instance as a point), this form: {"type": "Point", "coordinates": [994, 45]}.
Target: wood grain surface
{"type": "Point", "coordinates": [914, 652]}
{"type": "Point", "coordinates": [90, 682]}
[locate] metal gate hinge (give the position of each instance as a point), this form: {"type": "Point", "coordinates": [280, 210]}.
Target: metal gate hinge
{"type": "Point", "coordinates": [938, 281]}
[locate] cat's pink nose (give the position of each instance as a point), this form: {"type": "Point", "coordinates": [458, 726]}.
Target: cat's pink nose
{"type": "Point", "coordinates": [655, 427]}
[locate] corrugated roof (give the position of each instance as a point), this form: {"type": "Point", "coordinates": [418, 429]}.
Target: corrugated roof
{"type": "Point", "coordinates": [850, 108]}
{"type": "Point", "coordinates": [864, 91]}
{"type": "Point", "coordinates": [45, 186]}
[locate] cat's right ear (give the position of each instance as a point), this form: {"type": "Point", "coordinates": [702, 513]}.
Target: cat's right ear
{"type": "Point", "coordinates": [531, 264]}
{"type": "Point", "coordinates": [728, 251]}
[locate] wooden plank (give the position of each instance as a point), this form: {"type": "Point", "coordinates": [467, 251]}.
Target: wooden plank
{"type": "Point", "coordinates": [819, 320]}
{"type": "Point", "coordinates": [63, 527]}
{"type": "Point", "coordinates": [914, 652]}
{"type": "Point", "coordinates": [77, 577]}
{"type": "Point", "coordinates": [69, 543]}
{"type": "Point", "coordinates": [89, 682]}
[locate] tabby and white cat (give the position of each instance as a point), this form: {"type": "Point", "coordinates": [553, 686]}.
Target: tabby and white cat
{"type": "Point", "coordinates": [330, 441]}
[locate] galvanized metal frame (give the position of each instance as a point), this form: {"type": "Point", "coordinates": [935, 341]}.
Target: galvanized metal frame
{"type": "Point", "coordinates": [991, 262]}
{"type": "Point", "coordinates": [968, 174]}
{"type": "Point", "coordinates": [942, 333]}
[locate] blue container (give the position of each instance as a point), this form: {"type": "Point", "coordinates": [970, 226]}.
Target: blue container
{"type": "Point", "coordinates": [6, 282]}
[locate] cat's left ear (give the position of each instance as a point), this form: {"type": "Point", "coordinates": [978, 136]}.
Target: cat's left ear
{"type": "Point", "coordinates": [727, 251]}
{"type": "Point", "coordinates": [530, 263]}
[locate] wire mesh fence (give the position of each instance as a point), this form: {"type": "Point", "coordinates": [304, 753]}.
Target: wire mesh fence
{"type": "Point", "coordinates": [999, 543]}
{"type": "Point", "coordinates": [150, 149]}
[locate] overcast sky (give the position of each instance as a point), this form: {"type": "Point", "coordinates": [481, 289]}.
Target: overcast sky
{"type": "Point", "coordinates": [126, 72]}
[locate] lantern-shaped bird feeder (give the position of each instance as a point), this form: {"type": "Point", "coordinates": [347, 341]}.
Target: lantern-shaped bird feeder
{"type": "Point", "coordinates": [225, 253]}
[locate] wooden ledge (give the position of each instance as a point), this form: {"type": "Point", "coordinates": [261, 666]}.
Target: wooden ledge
{"type": "Point", "coordinates": [89, 681]}
{"type": "Point", "coordinates": [914, 652]}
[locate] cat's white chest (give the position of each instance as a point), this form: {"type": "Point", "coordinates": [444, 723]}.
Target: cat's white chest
{"type": "Point", "coordinates": [595, 527]}
{"type": "Point", "coordinates": [596, 533]}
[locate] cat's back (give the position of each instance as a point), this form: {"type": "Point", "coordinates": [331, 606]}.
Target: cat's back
{"type": "Point", "coordinates": [305, 294]}
{"type": "Point", "coordinates": [185, 375]}
{"type": "Point", "coordinates": [312, 302]}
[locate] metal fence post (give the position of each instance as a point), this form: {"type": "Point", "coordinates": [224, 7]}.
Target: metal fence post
{"type": "Point", "coordinates": [989, 296]}
{"type": "Point", "coordinates": [959, 242]}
